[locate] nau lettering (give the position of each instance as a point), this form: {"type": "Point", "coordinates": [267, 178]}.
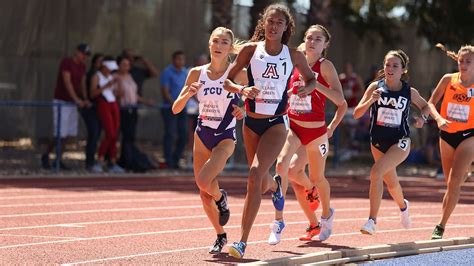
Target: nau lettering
{"type": "Point", "coordinates": [401, 103]}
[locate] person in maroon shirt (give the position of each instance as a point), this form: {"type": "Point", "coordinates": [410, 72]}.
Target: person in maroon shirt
{"type": "Point", "coordinates": [70, 89]}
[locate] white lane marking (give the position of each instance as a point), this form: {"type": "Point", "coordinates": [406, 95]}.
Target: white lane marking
{"type": "Point", "coordinates": [69, 225]}
{"type": "Point", "coordinates": [95, 202]}
{"type": "Point", "coordinates": [94, 194]}
{"type": "Point", "coordinates": [204, 216]}
{"type": "Point", "coordinates": [249, 243]}
{"type": "Point", "coordinates": [36, 236]}
{"type": "Point", "coordinates": [200, 229]}
{"type": "Point", "coordinates": [122, 210]}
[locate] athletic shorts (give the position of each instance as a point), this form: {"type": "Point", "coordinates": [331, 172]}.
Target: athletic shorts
{"type": "Point", "coordinates": [211, 137]}
{"type": "Point", "coordinates": [260, 125]}
{"type": "Point", "coordinates": [306, 135]}
{"type": "Point", "coordinates": [384, 144]}
{"type": "Point", "coordinates": [69, 119]}
{"type": "Point", "coordinates": [454, 139]}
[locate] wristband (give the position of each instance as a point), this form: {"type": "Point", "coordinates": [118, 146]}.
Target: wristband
{"type": "Point", "coordinates": [242, 89]}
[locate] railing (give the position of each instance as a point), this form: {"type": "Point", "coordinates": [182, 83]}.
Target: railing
{"type": "Point", "coordinates": [58, 106]}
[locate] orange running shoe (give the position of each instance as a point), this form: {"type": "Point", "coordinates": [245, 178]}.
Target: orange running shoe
{"type": "Point", "coordinates": [311, 231]}
{"type": "Point", "coordinates": [312, 196]}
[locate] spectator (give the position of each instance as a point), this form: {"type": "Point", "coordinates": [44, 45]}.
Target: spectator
{"type": "Point", "coordinates": [352, 88]}
{"type": "Point", "coordinates": [89, 114]}
{"type": "Point", "coordinates": [373, 71]}
{"type": "Point", "coordinates": [130, 157]}
{"type": "Point", "coordinates": [172, 80]}
{"type": "Point", "coordinates": [70, 89]}
{"type": "Point", "coordinates": [139, 73]}
{"type": "Point", "coordinates": [351, 85]}
{"type": "Point", "coordinates": [104, 88]}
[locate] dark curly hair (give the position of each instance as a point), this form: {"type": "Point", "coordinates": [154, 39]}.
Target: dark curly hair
{"type": "Point", "coordinates": [259, 33]}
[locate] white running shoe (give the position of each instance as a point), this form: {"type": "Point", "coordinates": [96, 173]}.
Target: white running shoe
{"type": "Point", "coordinates": [405, 219]}
{"type": "Point", "coordinates": [368, 228]}
{"type": "Point", "coordinates": [326, 226]}
{"type": "Point", "coordinates": [275, 235]}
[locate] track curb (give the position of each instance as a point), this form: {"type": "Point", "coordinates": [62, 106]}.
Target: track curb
{"type": "Point", "coordinates": [343, 256]}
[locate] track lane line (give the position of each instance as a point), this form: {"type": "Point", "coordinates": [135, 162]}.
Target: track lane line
{"type": "Point", "coordinates": [209, 229]}
{"type": "Point", "coordinates": [253, 242]}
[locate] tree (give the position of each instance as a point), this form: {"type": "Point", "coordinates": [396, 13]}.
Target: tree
{"type": "Point", "coordinates": [257, 8]}
{"type": "Point", "coordinates": [319, 13]}
{"type": "Point", "coordinates": [221, 13]}
{"type": "Point", "coordinates": [448, 22]}
{"type": "Point", "coordinates": [369, 16]}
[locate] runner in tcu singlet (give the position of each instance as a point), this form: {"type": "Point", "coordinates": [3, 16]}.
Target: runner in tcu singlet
{"type": "Point", "coordinates": [214, 138]}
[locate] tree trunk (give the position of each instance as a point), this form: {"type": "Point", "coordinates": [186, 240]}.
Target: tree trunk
{"type": "Point", "coordinates": [255, 10]}
{"type": "Point", "coordinates": [319, 13]}
{"type": "Point", "coordinates": [221, 13]}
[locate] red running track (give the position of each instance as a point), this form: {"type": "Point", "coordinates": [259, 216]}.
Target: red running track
{"type": "Point", "coordinates": [144, 220]}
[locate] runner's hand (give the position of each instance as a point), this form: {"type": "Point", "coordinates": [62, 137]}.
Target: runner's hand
{"type": "Point", "coordinates": [238, 112]}
{"type": "Point", "coordinates": [193, 88]}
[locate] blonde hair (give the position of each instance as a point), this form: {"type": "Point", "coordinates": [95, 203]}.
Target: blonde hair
{"type": "Point", "coordinates": [322, 29]}
{"type": "Point", "coordinates": [455, 56]}
{"type": "Point", "coordinates": [403, 58]}
{"type": "Point", "coordinates": [236, 45]}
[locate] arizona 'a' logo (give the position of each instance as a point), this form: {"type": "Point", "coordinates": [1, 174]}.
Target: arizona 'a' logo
{"type": "Point", "coordinates": [271, 71]}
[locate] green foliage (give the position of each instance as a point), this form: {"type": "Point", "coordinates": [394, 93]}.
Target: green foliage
{"type": "Point", "coordinates": [444, 21]}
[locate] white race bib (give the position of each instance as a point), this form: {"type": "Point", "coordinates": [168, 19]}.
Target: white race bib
{"type": "Point", "coordinates": [324, 148]}
{"type": "Point", "coordinates": [211, 111]}
{"type": "Point", "coordinates": [458, 112]}
{"type": "Point", "coordinates": [300, 105]}
{"type": "Point", "coordinates": [389, 117]}
{"type": "Point", "coordinates": [404, 144]}
{"type": "Point", "coordinates": [470, 92]}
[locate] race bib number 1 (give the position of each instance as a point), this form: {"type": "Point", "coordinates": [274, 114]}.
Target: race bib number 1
{"type": "Point", "coordinates": [470, 92]}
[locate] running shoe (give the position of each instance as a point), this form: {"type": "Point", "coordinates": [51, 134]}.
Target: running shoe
{"type": "Point", "coordinates": [438, 232]}
{"type": "Point", "coordinates": [312, 196]}
{"type": "Point", "coordinates": [368, 228]}
{"type": "Point", "coordinates": [277, 196]}
{"type": "Point", "coordinates": [220, 242]}
{"type": "Point", "coordinates": [223, 209]}
{"type": "Point", "coordinates": [405, 219]}
{"type": "Point", "coordinates": [275, 235]}
{"type": "Point", "coordinates": [326, 225]}
{"type": "Point", "coordinates": [116, 169]}
{"type": "Point", "coordinates": [311, 231]}
{"type": "Point", "coordinates": [237, 250]}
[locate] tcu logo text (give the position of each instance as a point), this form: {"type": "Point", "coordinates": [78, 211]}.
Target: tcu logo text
{"type": "Point", "coordinates": [401, 103]}
{"type": "Point", "coordinates": [271, 71]}
{"type": "Point", "coordinates": [212, 90]}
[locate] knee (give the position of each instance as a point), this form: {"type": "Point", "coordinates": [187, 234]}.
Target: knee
{"type": "Point", "coordinates": [376, 173]}
{"type": "Point", "coordinates": [293, 173]}
{"type": "Point", "coordinates": [202, 183]}
{"type": "Point", "coordinates": [254, 179]}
